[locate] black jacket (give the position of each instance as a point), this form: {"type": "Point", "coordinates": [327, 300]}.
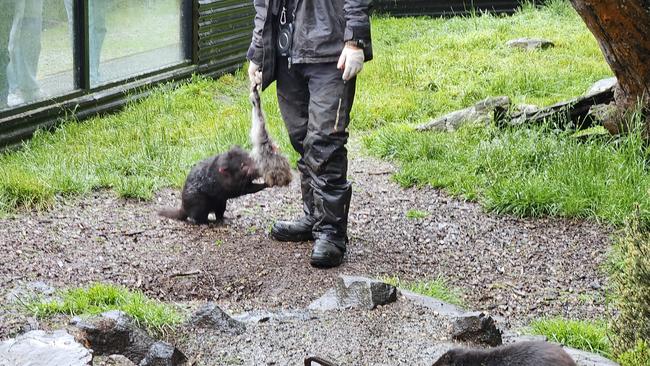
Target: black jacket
{"type": "Point", "coordinates": [321, 29]}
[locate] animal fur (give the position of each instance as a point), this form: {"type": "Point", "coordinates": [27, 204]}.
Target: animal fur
{"type": "Point", "coordinates": [517, 354]}
{"type": "Point", "coordinates": [213, 181]}
{"type": "Point", "coordinates": [272, 166]}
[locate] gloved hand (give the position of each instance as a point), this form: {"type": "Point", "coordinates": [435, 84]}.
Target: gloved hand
{"type": "Point", "coordinates": [351, 62]}
{"type": "Point", "coordinates": [254, 74]}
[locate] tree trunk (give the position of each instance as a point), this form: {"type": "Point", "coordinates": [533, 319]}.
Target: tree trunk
{"type": "Point", "coordinates": [622, 28]}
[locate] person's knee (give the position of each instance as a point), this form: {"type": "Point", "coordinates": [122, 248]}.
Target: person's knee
{"type": "Point", "coordinates": [326, 156]}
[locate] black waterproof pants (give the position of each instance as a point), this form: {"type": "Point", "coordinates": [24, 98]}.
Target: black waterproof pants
{"type": "Point", "coordinates": [315, 104]}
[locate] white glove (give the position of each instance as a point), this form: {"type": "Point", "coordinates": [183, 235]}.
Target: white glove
{"type": "Point", "coordinates": [254, 74]}
{"type": "Point", "coordinates": [351, 62]}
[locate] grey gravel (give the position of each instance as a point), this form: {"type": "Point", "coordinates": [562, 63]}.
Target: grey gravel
{"type": "Point", "coordinates": [518, 269]}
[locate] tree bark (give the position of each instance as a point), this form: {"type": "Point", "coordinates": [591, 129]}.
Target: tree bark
{"type": "Point", "coordinates": [622, 28]}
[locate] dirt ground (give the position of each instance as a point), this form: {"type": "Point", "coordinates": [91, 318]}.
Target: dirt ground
{"type": "Point", "coordinates": [517, 268]}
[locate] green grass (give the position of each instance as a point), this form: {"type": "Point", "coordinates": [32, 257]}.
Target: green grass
{"type": "Point", "coordinates": [155, 316]}
{"type": "Point", "coordinates": [525, 172]}
{"type": "Point", "coordinates": [584, 335]}
{"type": "Point", "coordinates": [423, 67]}
{"type": "Point", "coordinates": [438, 288]}
{"type": "Point", "coordinates": [149, 145]}
{"type": "Point", "coordinates": [416, 214]}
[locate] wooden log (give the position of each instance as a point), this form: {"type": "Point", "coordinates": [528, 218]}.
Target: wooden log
{"type": "Point", "coordinates": [569, 114]}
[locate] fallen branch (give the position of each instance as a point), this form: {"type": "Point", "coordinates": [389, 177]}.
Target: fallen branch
{"type": "Point", "coordinates": [572, 113]}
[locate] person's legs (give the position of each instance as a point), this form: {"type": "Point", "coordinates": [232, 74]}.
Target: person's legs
{"type": "Point", "coordinates": [326, 158]}
{"type": "Point", "coordinates": [25, 49]}
{"type": "Point", "coordinates": [6, 18]}
{"type": "Point", "coordinates": [97, 34]}
{"type": "Point", "coordinates": [293, 98]}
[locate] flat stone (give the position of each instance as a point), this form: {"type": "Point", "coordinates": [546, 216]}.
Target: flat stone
{"type": "Point", "coordinates": [584, 358]}
{"type": "Point", "coordinates": [210, 316]}
{"type": "Point", "coordinates": [284, 316]}
{"type": "Point", "coordinates": [530, 43]}
{"type": "Point", "coordinates": [602, 85]}
{"type": "Point", "coordinates": [476, 327]}
{"type": "Point", "coordinates": [40, 348]}
{"type": "Point", "coordinates": [480, 113]}
{"type": "Point", "coordinates": [440, 307]}
{"type": "Point", "coordinates": [163, 354]}
{"type": "Point", "coordinates": [356, 292]}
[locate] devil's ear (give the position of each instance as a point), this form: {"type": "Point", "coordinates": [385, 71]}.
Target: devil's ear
{"type": "Point", "coordinates": [223, 170]}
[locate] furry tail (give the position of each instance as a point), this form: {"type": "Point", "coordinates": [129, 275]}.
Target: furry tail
{"type": "Point", "coordinates": [258, 134]}
{"type": "Point", "coordinates": [173, 213]}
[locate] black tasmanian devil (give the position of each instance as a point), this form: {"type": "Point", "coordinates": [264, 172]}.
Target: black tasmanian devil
{"type": "Point", "coordinates": [517, 354]}
{"type": "Point", "coordinates": [212, 182]}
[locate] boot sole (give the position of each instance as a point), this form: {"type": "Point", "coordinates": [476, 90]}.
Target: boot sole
{"type": "Point", "coordinates": [293, 238]}
{"type": "Point", "coordinates": [324, 263]}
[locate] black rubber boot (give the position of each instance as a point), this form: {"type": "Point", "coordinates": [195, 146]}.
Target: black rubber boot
{"type": "Point", "coordinates": [301, 229]}
{"type": "Point", "coordinates": [330, 230]}
{"type": "Point", "coordinates": [327, 253]}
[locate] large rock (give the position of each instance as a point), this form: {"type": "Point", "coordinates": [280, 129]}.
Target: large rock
{"type": "Point", "coordinates": [356, 292]}
{"type": "Point", "coordinates": [210, 316]}
{"type": "Point", "coordinates": [482, 112]}
{"type": "Point", "coordinates": [114, 333]}
{"type": "Point", "coordinates": [163, 354]}
{"type": "Point", "coordinates": [476, 328]}
{"type": "Point", "coordinates": [530, 43]}
{"type": "Point", "coordinates": [602, 85]}
{"type": "Point", "coordinates": [39, 348]}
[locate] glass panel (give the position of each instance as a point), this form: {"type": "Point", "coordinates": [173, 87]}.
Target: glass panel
{"type": "Point", "coordinates": [35, 51]}
{"type": "Point", "coordinates": [129, 37]}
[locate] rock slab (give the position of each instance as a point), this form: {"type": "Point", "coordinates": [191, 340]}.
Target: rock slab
{"type": "Point", "coordinates": [476, 327]}
{"type": "Point", "coordinates": [583, 358]}
{"type": "Point", "coordinates": [114, 332]}
{"type": "Point", "coordinates": [530, 43]}
{"type": "Point", "coordinates": [602, 85]}
{"type": "Point", "coordinates": [356, 292]}
{"type": "Point", "coordinates": [40, 348]}
{"type": "Point", "coordinates": [211, 316]}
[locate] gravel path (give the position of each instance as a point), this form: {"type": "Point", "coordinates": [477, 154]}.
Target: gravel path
{"type": "Point", "coordinates": [517, 268]}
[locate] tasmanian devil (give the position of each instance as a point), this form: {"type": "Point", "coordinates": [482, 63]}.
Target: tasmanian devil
{"type": "Point", "coordinates": [213, 181]}
{"type": "Point", "coordinates": [517, 354]}
{"type": "Point", "coordinates": [271, 165]}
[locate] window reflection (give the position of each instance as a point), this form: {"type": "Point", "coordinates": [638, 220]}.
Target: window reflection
{"type": "Point", "coordinates": [35, 56]}
{"type": "Point", "coordinates": [129, 37]}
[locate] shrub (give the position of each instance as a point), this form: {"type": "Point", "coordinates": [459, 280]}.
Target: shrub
{"type": "Point", "coordinates": [630, 293]}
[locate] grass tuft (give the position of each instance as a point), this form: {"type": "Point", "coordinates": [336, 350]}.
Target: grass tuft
{"type": "Point", "coordinates": [525, 171]}
{"type": "Point", "coordinates": [438, 288]}
{"type": "Point", "coordinates": [629, 270]}
{"type": "Point", "coordinates": [155, 316]}
{"type": "Point", "coordinates": [585, 335]}
{"type": "Point", "coordinates": [423, 67]}
{"type": "Point", "coordinates": [416, 214]}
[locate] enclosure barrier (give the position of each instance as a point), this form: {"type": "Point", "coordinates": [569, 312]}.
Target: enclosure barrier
{"type": "Point", "coordinates": [214, 36]}
{"type": "Point", "coordinates": [444, 8]}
